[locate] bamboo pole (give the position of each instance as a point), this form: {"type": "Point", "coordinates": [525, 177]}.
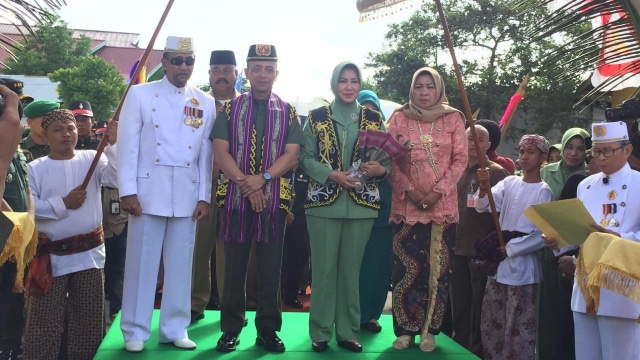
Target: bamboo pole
{"type": "Point", "coordinates": [468, 115]}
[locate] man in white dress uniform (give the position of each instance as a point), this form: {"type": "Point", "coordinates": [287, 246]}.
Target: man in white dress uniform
{"type": "Point", "coordinates": [165, 185]}
{"type": "Point", "coordinates": [611, 198]}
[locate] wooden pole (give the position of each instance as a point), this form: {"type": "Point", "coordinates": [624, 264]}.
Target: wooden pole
{"type": "Point", "coordinates": [116, 115]}
{"type": "Point", "coordinates": [468, 115]}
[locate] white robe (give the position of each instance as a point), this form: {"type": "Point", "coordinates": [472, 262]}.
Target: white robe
{"type": "Point", "coordinates": [512, 196]}
{"type": "Point", "coordinates": [51, 180]}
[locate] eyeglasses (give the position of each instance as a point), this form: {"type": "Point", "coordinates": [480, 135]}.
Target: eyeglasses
{"type": "Point", "coordinates": [178, 61]}
{"type": "Point", "coordinates": [606, 152]}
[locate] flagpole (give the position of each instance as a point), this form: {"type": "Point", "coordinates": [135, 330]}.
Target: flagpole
{"type": "Point", "coordinates": [116, 115]}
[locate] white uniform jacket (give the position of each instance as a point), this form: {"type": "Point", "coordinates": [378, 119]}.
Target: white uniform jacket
{"type": "Point", "coordinates": [165, 154]}
{"type": "Point", "coordinates": [622, 190]}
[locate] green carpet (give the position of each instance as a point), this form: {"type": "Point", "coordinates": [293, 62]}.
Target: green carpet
{"type": "Point", "coordinates": [294, 335]}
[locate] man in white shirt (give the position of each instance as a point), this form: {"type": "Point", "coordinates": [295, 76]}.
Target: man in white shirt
{"type": "Point", "coordinates": [66, 276]}
{"type": "Point", "coordinates": [610, 198]}
{"type": "Point", "coordinates": [508, 309]}
{"type": "Point", "coordinates": [165, 185]}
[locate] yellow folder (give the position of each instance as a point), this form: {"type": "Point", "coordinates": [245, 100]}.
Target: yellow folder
{"type": "Point", "coordinates": [566, 220]}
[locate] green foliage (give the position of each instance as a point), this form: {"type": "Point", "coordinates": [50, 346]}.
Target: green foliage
{"type": "Point", "coordinates": [93, 80]}
{"type": "Point", "coordinates": [51, 48]}
{"type": "Point", "coordinates": [493, 54]}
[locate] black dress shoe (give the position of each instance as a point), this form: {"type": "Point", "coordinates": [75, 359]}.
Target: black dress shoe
{"type": "Point", "coordinates": [294, 303]}
{"type": "Point", "coordinates": [371, 327]}
{"type": "Point", "coordinates": [227, 342]}
{"type": "Point", "coordinates": [351, 345]}
{"type": "Point", "coordinates": [8, 354]}
{"type": "Point", "coordinates": [196, 316]}
{"type": "Point", "coordinates": [320, 346]}
{"type": "Point", "coordinates": [268, 339]}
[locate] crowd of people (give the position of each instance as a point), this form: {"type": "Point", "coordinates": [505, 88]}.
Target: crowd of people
{"type": "Point", "coordinates": [222, 190]}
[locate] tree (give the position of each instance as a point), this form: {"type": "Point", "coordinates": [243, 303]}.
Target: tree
{"type": "Point", "coordinates": [52, 47]}
{"type": "Point", "coordinates": [25, 13]}
{"type": "Point", "coordinates": [494, 54]}
{"type": "Point", "coordinates": [93, 80]}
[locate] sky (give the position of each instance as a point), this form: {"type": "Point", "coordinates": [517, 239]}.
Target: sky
{"type": "Point", "coordinates": [311, 37]}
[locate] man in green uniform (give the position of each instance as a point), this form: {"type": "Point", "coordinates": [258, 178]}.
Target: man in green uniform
{"type": "Point", "coordinates": [35, 144]}
{"type": "Point", "coordinates": [16, 197]}
{"type": "Point", "coordinates": [256, 140]}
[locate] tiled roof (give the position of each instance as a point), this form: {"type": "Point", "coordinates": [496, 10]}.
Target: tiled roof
{"type": "Point", "coordinates": [112, 38]}
{"type": "Point", "coordinates": [118, 48]}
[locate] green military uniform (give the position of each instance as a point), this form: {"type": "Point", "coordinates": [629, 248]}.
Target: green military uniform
{"type": "Point", "coordinates": [16, 183]}
{"type": "Point", "coordinates": [12, 304]}
{"type": "Point", "coordinates": [339, 221]}
{"type": "Point", "coordinates": [33, 151]}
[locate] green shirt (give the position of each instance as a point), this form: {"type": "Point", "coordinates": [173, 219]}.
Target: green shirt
{"type": "Point", "coordinates": [344, 207]}
{"type": "Point", "coordinates": [16, 183]}
{"type": "Point", "coordinates": [33, 151]}
{"type": "Point", "coordinates": [221, 126]}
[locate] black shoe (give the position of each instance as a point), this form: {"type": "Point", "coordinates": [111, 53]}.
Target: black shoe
{"type": "Point", "coordinates": [268, 339]}
{"type": "Point", "coordinates": [227, 342]}
{"type": "Point", "coordinates": [351, 345]}
{"type": "Point", "coordinates": [294, 303]}
{"type": "Point", "coordinates": [320, 346]}
{"type": "Point", "coordinates": [245, 322]}
{"type": "Point", "coordinates": [8, 354]}
{"type": "Point", "coordinates": [196, 316]}
{"type": "Point", "coordinates": [371, 327]}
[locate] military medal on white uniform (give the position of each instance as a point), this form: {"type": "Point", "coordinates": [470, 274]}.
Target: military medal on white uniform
{"type": "Point", "coordinates": [609, 209]}
{"type": "Point", "coordinates": [194, 115]}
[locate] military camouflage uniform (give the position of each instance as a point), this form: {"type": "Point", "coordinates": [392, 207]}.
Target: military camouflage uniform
{"type": "Point", "coordinates": [33, 151]}
{"type": "Point", "coordinates": [11, 304]}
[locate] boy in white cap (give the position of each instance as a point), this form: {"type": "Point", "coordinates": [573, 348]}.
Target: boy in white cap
{"type": "Point", "coordinates": [165, 185]}
{"type": "Point", "coordinates": [613, 333]}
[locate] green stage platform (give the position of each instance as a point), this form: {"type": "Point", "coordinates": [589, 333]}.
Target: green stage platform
{"type": "Point", "coordinates": [294, 335]}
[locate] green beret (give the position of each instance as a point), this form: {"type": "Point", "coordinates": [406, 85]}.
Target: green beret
{"type": "Point", "coordinates": [38, 108]}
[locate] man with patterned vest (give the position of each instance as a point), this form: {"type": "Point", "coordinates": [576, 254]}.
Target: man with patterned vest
{"type": "Point", "coordinates": [165, 185]}
{"type": "Point", "coordinates": [255, 141]}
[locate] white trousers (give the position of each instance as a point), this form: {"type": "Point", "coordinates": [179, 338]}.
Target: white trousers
{"type": "Point", "coordinates": [606, 337]}
{"type": "Point", "coordinates": [150, 236]}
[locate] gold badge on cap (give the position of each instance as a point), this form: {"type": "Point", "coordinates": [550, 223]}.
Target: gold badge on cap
{"type": "Point", "coordinates": [599, 130]}
{"type": "Point", "coordinates": [184, 44]}
{"type": "Point", "coordinates": [263, 50]}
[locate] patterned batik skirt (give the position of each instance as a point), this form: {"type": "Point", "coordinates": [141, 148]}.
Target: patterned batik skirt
{"type": "Point", "coordinates": [508, 321]}
{"type": "Point", "coordinates": [422, 255]}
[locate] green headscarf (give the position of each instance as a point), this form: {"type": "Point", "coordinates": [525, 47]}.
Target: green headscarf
{"type": "Point", "coordinates": [339, 109]}
{"type": "Point", "coordinates": [556, 174]}
{"type": "Point", "coordinates": [368, 96]}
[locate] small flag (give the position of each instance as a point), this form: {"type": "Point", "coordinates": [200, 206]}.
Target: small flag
{"type": "Point", "coordinates": [238, 85]}
{"type": "Point", "coordinates": [142, 77]}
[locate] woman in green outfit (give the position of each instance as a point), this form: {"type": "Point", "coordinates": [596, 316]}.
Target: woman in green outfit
{"type": "Point", "coordinates": [340, 210]}
{"type": "Point", "coordinates": [572, 154]}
